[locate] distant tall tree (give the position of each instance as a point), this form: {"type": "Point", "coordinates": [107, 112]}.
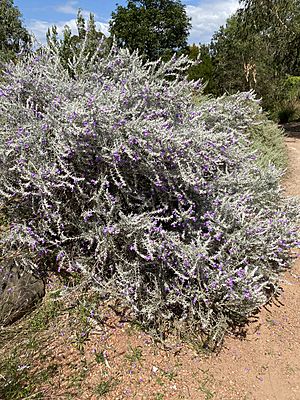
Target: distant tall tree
{"type": "Point", "coordinates": [245, 61]}
{"type": "Point", "coordinates": [70, 44]}
{"type": "Point", "coordinates": [14, 37]}
{"type": "Point", "coordinates": [158, 28]}
{"type": "Point", "coordinates": [278, 23]}
{"type": "Point", "coordinates": [230, 55]}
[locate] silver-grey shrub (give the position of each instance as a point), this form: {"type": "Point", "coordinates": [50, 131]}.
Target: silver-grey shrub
{"type": "Point", "coordinates": [117, 175]}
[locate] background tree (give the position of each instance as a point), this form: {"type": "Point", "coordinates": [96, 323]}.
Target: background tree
{"type": "Point", "coordinates": [158, 28]}
{"type": "Point", "coordinates": [204, 69]}
{"type": "Point", "coordinates": [229, 54]}
{"type": "Point", "coordinates": [240, 63]}
{"type": "Point", "coordinates": [14, 37]}
{"type": "Point", "coordinates": [70, 45]}
{"type": "Point", "coordinates": [278, 23]}
{"type": "Point", "coordinates": [247, 53]}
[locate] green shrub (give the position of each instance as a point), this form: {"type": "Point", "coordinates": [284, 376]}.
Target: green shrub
{"type": "Point", "coordinates": [292, 85]}
{"type": "Point", "coordinates": [288, 108]}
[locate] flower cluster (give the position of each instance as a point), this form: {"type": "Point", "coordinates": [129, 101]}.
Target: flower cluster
{"type": "Point", "coordinates": [116, 173]}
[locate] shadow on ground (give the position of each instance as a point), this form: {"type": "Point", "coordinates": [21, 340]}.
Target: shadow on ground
{"type": "Point", "coordinates": [292, 129]}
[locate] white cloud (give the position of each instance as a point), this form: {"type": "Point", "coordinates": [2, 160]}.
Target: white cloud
{"type": "Point", "coordinates": [68, 8]}
{"type": "Point", "coordinates": [39, 28]}
{"type": "Point", "coordinates": [208, 16]}
{"type": "Point", "coordinates": [71, 7]}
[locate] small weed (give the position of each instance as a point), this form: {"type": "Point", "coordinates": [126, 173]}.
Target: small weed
{"type": "Point", "coordinates": [271, 321]}
{"type": "Point", "coordinates": [80, 340]}
{"type": "Point", "coordinates": [104, 387]}
{"type": "Point", "coordinates": [69, 396]}
{"type": "Point", "coordinates": [203, 387]}
{"type": "Point", "coordinates": [159, 381]}
{"type": "Point", "coordinates": [17, 379]}
{"type": "Point", "coordinates": [200, 344]}
{"type": "Point", "coordinates": [32, 343]}
{"type": "Point", "coordinates": [80, 373]}
{"type": "Point", "coordinates": [134, 327]}
{"type": "Point", "coordinates": [43, 357]}
{"type": "Point", "coordinates": [159, 396]}
{"type": "Point", "coordinates": [76, 380]}
{"type": "Point", "coordinates": [55, 294]}
{"type": "Point", "coordinates": [291, 370]}
{"type": "Point", "coordinates": [40, 321]}
{"type": "Point", "coordinates": [100, 357]}
{"type": "Point", "coordinates": [135, 354]}
{"type": "Point", "coordinates": [84, 313]}
{"type": "Point", "coordinates": [15, 382]}
{"type": "Point", "coordinates": [169, 374]}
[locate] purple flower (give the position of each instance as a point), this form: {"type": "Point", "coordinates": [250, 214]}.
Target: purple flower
{"type": "Point", "coordinates": [117, 156]}
{"type": "Point", "coordinates": [90, 101]}
{"type": "Point", "coordinates": [110, 230]}
{"type": "Point", "coordinates": [133, 140]}
{"type": "Point", "coordinates": [218, 236]}
{"type": "Point", "coordinates": [240, 273]}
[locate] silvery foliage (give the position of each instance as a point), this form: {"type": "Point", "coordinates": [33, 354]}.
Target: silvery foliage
{"type": "Point", "coordinates": [116, 174]}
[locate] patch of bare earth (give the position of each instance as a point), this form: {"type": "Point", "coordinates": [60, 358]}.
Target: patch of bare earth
{"type": "Point", "coordinates": [114, 359]}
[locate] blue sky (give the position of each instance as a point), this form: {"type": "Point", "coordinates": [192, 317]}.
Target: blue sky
{"type": "Point", "coordinates": [207, 15]}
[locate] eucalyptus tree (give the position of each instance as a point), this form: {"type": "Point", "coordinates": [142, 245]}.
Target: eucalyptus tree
{"type": "Point", "coordinates": [278, 23]}
{"type": "Point", "coordinates": [245, 56]}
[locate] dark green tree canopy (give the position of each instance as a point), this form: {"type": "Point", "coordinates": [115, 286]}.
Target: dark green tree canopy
{"type": "Point", "coordinates": [13, 35]}
{"type": "Point", "coordinates": [230, 54]}
{"type": "Point", "coordinates": [158, 28]}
